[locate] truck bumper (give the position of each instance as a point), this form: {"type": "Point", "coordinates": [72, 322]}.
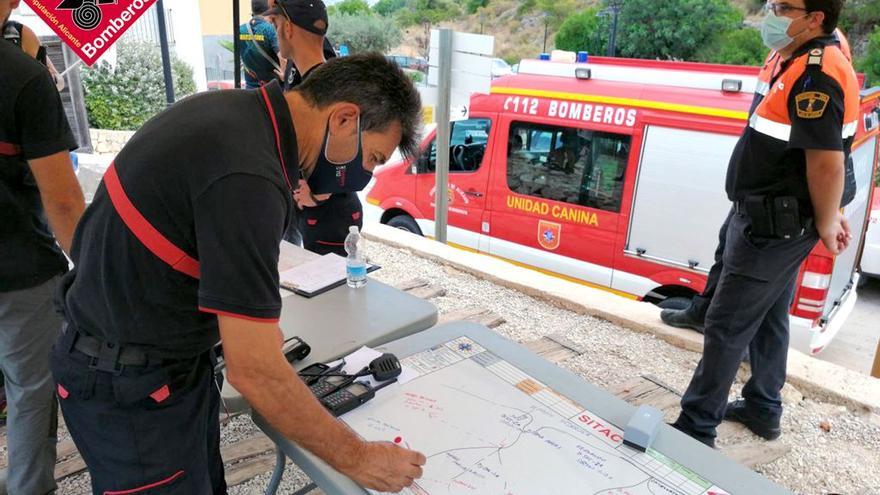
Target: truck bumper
{"type": "Point", "coordinates": [811, 339]}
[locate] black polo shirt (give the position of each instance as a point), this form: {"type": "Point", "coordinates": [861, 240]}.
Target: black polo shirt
{"type": "Point", "coordinates": [206, 174]}
{"type": "Point", "coordinates": [763, 165]}
{"type": "Point", "coordinates": [32, 125]}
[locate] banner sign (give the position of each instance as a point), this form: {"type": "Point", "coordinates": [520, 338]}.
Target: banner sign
{"type": "Point", "coordinates": [90, 27]}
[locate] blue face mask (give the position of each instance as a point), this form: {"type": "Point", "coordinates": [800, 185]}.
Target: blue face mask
{"type": "Point", "coordinates": [330, 177]}
{"type": "Point", "coordinates": [774, 31]}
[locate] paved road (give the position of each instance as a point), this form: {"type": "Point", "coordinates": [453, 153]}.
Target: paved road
{"type": "Point", "coordinates": [855, 345]}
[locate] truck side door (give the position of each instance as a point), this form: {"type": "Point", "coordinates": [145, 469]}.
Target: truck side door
{"type": "Point", "coordinates": [556, 196]}
{"type": "Point", "coordinates": [469, 149]}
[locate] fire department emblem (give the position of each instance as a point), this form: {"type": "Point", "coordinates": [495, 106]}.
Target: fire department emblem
{"type": "Point", "coordinates": [811, 104]}
{"type": "Point", "coordinates": [549, 234]}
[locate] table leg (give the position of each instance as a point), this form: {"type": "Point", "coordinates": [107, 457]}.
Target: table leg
{"type": "Point", "coordinates": [278, 472]}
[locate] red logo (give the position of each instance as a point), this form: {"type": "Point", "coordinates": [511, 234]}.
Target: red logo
{"type": "Point", "coordinates": [90, 27]}
{"type": "Point", "coordinates": [549, 234]}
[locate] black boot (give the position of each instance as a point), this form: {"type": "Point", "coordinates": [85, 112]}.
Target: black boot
{"type": "Point", "coordinates": [761, 423]}
{"type": "Point", "coordinates": [683, 318]}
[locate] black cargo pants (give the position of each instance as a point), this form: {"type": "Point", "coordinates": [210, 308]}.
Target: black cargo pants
{"type": "Point", "coordinates": [145, 430]}
{"type": "Point", "coordinates": [750, 310]}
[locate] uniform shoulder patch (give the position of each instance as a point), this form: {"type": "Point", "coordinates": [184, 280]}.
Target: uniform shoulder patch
{"type": "Point", "coordinates": [811, 104]}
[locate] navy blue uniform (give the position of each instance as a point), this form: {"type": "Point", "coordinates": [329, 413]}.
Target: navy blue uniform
{"type": "Point", "coordinates": [754, 275]}
{"type": "Point", "coordinates": [134, 367]}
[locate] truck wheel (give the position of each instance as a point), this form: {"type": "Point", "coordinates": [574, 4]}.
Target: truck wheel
{"type": "Point", "coordinates": [677, 302]}
{"type": "Point", "coordinates": [405, 222]}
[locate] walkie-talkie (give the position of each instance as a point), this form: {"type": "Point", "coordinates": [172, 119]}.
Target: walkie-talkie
{"type": "Point", "coordinates": [351, 397]}
{"type": "Point", "coordinates": [329, 384]}
{"type": "Point", "coordinates": [314, 372]}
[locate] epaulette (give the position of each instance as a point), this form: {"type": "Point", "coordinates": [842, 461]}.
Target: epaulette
{"type": "Point", "coordinates": [815, 56]}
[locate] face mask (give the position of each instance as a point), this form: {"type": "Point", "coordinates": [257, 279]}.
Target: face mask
{"type": "Point", "coordinates": [774, 31]}
{"type": "Point", "coordinates": [330, 177]}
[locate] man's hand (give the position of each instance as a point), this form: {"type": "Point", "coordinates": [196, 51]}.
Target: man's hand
{"type": "Point", "coordinates": [836, 235]}
{"type": "Point", "coordinates": [304, 197]}
{"type": "Point", "coordinates": [387, 467]}
{"type": "Point", "coordinates": [257, 369]}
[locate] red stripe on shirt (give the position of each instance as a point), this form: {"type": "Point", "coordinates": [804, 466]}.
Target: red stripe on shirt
{"type": "Point", "coordinates": [236, 315]}
{"type": "Point", "coordinates": [9, 149]}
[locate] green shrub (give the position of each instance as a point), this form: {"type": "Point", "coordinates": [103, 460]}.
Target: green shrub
{"type": "Point", "coordinates": [584, 31]}
{"type": "Point", "coordinates": [673, 29]}
{"type": "Point", "coordinates": [739, 47]}
{"type": "Point", "coordinates": [364, 32]}
{"type": "Point", "coordinates": [352, 7]}
{"type": "Point", "coordinates": [388, 7]}
{"type": "Point", "coordinates": [870, 62]}
{"type": "Point", "coordinates": [474, 5]}
{"type": "Point", "coordinates": [127, 96]}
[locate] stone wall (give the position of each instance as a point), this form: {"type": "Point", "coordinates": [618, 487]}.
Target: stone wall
{"type": "Point", "coordinates": [109, 142]}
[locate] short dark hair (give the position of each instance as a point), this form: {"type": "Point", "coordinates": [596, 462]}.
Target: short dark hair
{"type": "Point", "coordinates": [831, 8]}
{"type": "Point", "coordinates": [382, 91]}
{"type": "Point", "coordinates": [259, 6]}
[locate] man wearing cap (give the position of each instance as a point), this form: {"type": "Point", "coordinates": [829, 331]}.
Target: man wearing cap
{"type": "Point", "coordinates": [180, 248]}
{"type": "Point", "coordinates": [259, 47]}
{"type": "Point", "coordinates": [325, 218]}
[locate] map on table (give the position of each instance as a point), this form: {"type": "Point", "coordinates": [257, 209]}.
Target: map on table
{"type": "Point", "coordinates": [487, 427]}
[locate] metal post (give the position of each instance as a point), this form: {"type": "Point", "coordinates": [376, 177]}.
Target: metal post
{"type": "Point", "coordinates": [236, 52]}
{"type": "Point", "coordinates": [166, 57]}
{"type": "Point", "coordinates": [612, 42]}
{"type": "Point", "coordinates": [444, 86]}
{"type": "Point", "coordinates": [544, 50]}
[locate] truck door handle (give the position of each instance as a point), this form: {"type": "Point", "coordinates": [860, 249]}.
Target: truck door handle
{"type": "Point", "coordinates": [476, 194]}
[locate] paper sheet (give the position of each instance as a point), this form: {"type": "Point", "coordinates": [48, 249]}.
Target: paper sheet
{"type": "Point", "coordinates": [314, 275]}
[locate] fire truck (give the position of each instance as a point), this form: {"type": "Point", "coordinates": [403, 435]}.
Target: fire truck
{"type": "Point", "coordinates": [611, 173]}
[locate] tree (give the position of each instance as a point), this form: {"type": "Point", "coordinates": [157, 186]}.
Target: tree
{"type": "Point", "coordinates": [353, 7]}
{"type": "Point", "coordinates": [125, 97]}
{"type": "Point", "coordinates": [584, 31]}
{"type": "Point", "coordinates": [652, 29]}
{"type": "Point", "coordinates": [738, 47]}
{"type": "Point", "coordinates": [870, 63]}
{"type": "Point", "coordinates": [364, 32]}
{"type": "Point", "coordinates": [428, 11]}
{"type": "Point", "coordinates": [556, 10]}
{"type": "Point", "coordinates": [474, 5]}
{"type": "Point", "coordinates": [388, 7]}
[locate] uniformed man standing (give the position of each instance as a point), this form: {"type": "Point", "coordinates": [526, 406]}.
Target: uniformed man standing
{"type": "Point", "coordinates": [786, 180]}
{"type": "Point", "coordinates": [40, 202]}
{"type": "Point", "coordinates": [326, 211]}
{"type": "Point", "coordinates": [180, 247]}
{"type": "Point", "coordinates": [694, 315]}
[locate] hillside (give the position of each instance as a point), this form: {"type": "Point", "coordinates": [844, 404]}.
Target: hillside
{"type": "Point", "coordinates": [519, 33]}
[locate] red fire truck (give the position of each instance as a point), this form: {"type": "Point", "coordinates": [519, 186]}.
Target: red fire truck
{"type": "Point", "coordinates": [611, 173]}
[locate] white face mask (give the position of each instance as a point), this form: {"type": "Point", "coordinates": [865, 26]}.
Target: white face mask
{"type": "Point", "coordinates": [774, 31]}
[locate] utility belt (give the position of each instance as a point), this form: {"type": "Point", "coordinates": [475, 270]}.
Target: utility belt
{"type": "Point", "coordinates": [114, 358]}
{"type": "Point", "coordinates": [777, 217]}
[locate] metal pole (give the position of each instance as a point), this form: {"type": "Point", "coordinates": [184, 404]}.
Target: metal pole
{"type": "Point", "coordinates": [166, 57]}
{"type": "Point", "coordinates": [544, 50]}
{"type": "Point", "coordinates": [613, 41]}
{"type": "Point", "coordinates": [444, 86]}
{"type": "Point", "coordinates": [236, 52]}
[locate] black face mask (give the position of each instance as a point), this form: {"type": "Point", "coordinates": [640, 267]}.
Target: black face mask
{"type": "Point", "coordinates": [330, 177]}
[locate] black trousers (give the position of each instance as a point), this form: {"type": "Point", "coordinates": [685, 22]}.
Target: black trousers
{"type": "Point", "coordinates": [325, 227]}
{"type": "Point", "coordinates": [145, 430]}
{"type": "Point", "coordinates": [700, 303]}
{"type": "Point", "coordinates": [749, 309]}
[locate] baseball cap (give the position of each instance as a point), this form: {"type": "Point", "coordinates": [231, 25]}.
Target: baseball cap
{"type": "Point", "coordinates": [310, 15]}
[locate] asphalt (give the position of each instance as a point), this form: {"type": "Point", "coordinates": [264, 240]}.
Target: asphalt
{"type": "Point", "coordinates": [854, 347]}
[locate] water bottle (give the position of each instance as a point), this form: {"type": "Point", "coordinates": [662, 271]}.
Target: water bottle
{"type": "Point", "coordinates": [356, 263]}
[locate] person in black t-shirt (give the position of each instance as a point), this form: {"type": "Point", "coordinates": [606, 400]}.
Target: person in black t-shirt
{"type": "Point", "coordinates": [180, 248]}
{"type": "Point", "coordinates": [40, 202]}
{"type": "Point", "coordinates": [325, 219]}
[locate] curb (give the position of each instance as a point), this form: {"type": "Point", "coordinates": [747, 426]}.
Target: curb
{"type": "Point", "coordinates": [811, 376]}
